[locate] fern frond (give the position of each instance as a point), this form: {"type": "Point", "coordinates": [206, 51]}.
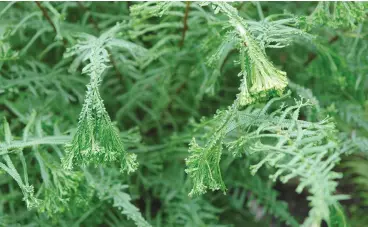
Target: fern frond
{"type": "Point", "coordinates": [261, 192]}
{"type": "Point", "coordinates": [149, 9]}
{"type": "Point", "coordinates": [62, 189]}
{"type": "Point", "coordinates": [279, 31]}
{"type": "Point", "coordinates": [337, 14]}
{"type": "Point", "coordinates": [203, 164]}
{"type": "Point", "coordinates": [359, 168]}
{"type": "Point", "coordinates": [96, 141]}
{"type": "Point", "coordinates": [264, 78]}
{"type": "Point", "coordinates": [294, 147]}
{"type": "Point", "coordinates": [108, 189]}
{"type": "Point", "coordinates": [8, 167]}
{"type": "Point", "coordinates": [355, 115]}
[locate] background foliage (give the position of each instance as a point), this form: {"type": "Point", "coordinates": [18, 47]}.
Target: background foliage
{"type": "Point", "coordinates": [101, 103]}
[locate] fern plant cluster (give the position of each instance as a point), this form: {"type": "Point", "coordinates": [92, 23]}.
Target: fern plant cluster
{"type": "Point", "coordinates": [183, 114]}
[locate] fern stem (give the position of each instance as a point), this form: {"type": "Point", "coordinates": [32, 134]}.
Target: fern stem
{"type": "Point", "coordinates": [15, 145]}
{"type": "Point", "coordinates": [46, 15]}
{"type": "Point", "coordinates": [185, 24]}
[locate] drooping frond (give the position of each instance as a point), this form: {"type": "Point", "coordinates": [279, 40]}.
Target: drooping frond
{"type": "Point", "coordinates": [260, 77]}
{"type": "Point", "coordinates": [97, 140]}
{"type": "Point", "coordinates": [203, 164]}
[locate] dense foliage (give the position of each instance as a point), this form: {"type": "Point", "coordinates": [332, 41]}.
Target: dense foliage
{"type": "Point", "coordinates": [183, 114]}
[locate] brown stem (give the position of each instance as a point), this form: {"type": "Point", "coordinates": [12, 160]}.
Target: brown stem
{"type": "Point", "coordinates": [46, 15]}
{"type": "Point", "coordinates": [185, 24]}
{"type": "Point", "coordinates": [312, 56]}
{"type": "Point", "coordinates": [333, 39]}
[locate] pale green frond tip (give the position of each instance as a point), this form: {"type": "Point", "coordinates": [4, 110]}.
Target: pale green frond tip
{"type": "Point", "coordinates": [244, 97]}
{"type": "Point", "coordinates": [203, 168]}
{"type": "Point", "coordinates": [29, 198]}
{"type": "Point", "coordinates": [130, 162]}
{"type": "Point", "coordinates": [267, 79]}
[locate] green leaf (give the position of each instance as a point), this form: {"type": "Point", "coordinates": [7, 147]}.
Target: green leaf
{"type": "Point", "coordinates": [337, 216]}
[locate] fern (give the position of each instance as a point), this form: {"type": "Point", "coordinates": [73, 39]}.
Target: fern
{"type": "Point", "coordinates": [264, 77]}
{"type": "Point", "coordinates": [61, 187]}
{"type": "Point", "coordinates": [96, 140]}
{"type": "Point", "coordinates": [107, 189]}
{"type": "Point", "coordinates": [11, 146]}
{"type": "Point", "coordinates": [260, 94]}
{"type": "Point", "coordinates": [358, 167]}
